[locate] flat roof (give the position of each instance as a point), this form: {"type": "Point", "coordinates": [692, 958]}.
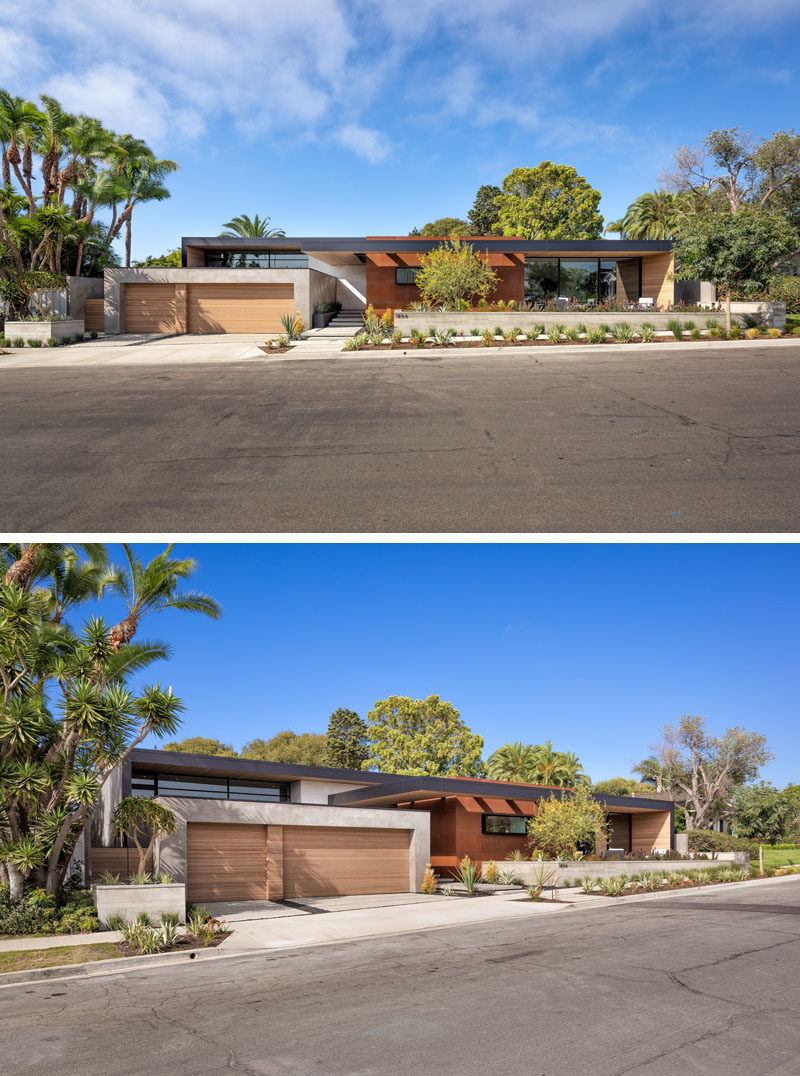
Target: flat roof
{"type": "Point", "coordinates": [379, 789]}
{"type": "Point", "coordinates": [392, 244]}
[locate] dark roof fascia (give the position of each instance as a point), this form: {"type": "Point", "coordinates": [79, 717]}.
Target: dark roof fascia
{"type": "Point", "coordinates": [144, 759]}
{"type": "Point", "coordinates": [362, 245]}
{"type": "Point", "coordinates": [456, 786]}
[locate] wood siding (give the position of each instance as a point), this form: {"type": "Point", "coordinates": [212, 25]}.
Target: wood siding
{"type": "Point", "coordinates": [620, 832]}
{"type": "Point", "coordinates": [226, 861]}
{"type": "Point", "coordinates": [93, 315]}
{"type": "Point", "coordinates": [238, 308]}
{"type": "Point", "coordinates": [650, 831]}
{"type": "Point", "coordinates": [656, 270]}
{"type": "Point", "coordinates": [121, 861]}
{"type": "Point", "coordinates": [331, 860]}
{"type": "Point", "coordinates": [150, 308]}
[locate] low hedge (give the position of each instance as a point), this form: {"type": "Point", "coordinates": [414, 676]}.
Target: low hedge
{"type": "Point", "coordinates": [708, 840]}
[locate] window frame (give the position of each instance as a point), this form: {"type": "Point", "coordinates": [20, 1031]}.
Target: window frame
{"type": "Point", "coordinates": [413, 269]}
{"type": "Point", "coordinates": [517, 817]}
{"type": "Point", "coordinates": [142, 783]}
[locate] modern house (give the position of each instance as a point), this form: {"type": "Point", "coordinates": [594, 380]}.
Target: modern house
{"type": "Point", "coordinates": [246, 285]}
{"type": "Point", "coordinates": [251, 830]}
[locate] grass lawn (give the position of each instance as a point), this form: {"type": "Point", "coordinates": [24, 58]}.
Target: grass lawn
{"type": "Point", "coordinates": [778, 857]}
{"type": "Point", "coordinates": [22, 959]}
{"type": "Point", "coordinates": [793, 322]}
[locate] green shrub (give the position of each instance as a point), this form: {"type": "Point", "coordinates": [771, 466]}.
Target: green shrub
{"type": "Point", "coordinates": [623, 332]}
{"type": "Point", "coordinates": [18, 341]}
{"type": "Point", "coordinates": [614, 887]}
{"type": "Point", "coordinates": [490, 872]}
{"type": "Point", "coordinates": [736, 332]}
{"type": "Point", "coordinates": [774, 333]}
{"type": "Point", "coordinates": [52, 342]}
{"type": "Point", "coordinates": [588, 884]}
{"type": "Point", "coordinates": [79, 338]}
{"type": "Point", "coordinates": [715, 331]}
{"type": "Point", "coordinates": [140, 878]}
{"type": "Point", "coordinates": [581, 328]}
{"type": "Point", "coordinates": [355, 343]}
{"type": "Point", "coordinates": [689, 325]}
{"type": "Point", "coordinates": [66, 340]}
{"type": "Point", "coordinates": [467, 874]}
{"type": "Point", "coordinates": [695, 333]}
{"type": "Point", "coordinates": [38, 914]}
{"type": "Point", "coordinates": [675, 328]}
{"type": "Point", "coordinates": [34, 341]}
{"type": "Point", "coordinates": [554, 333]}
{"type": "Point", "coordinates": [163, 878]}
{"type": "Point", "coordinates": [443, 336]}
{"type": "Point", "coordinates": [397, 336]}
{"type": "Point", "coordinates": [647, 331]}
{"type": "Point", "coordinates": [596, 335]}
{"type": "Point", "coordinates": [752, 333]}
{"type": "Point", "coordinates": [93, 334]}
{"type": "Point", "coordinates": [428, 880]}
{"type": "Point", "coordinates": [712, 323]}
{"type": "Point", "coordinates": [571, 332]}
{"type": "Point", "coordinates": [507, 878]}
{"type": "Point", "coordinates": [751, 322]}
{"type": "Point", "coordinates": [708, 840]}
{"type": "Point", "coordinates": [107, 878]}
{"type": "Point", "coordinates": [488, 337]}
{"type": "Point", "coordinates": [115, 922]}
{"type": "Point", "coordinates": [474, 331]}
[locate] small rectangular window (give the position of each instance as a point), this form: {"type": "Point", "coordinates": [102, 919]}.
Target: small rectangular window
{"type": "Point", "coordinates": [508, 825]}
{"type": "Point", "coordinates": [407, 274]}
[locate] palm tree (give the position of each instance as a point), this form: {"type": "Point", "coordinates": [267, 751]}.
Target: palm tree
{"type": "Point", "coordinates": [151, 587]}
{"type": "Point", "coordinates": [511, 762]}
{"type": "Point", "coordinates": [19, 126]}
{"type": "Point", "coordinates": [545, 764]}
{"type": "Point", "coordinates": [570, 772]}
{"type": "Point", "coordinates": [616, 226]}
{"type": "Point", "coordinates": [245, 228]}
{"type": "Point", "coordinates": [655, 215]}
{"type": "Point", "coordinates": [139, 174]}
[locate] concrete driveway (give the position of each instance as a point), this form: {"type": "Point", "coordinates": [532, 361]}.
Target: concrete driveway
{"type": "Point", "coordinates": [140, 349]}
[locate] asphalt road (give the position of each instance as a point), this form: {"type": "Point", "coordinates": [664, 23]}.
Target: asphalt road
{"type": "Point", "coordinates": [699, 984]}
{"type": "Point", "coordinates": [628, 440]}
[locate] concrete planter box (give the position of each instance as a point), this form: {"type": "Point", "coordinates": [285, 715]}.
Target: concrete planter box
{"type": "Point", "coordinates": [528, 871]}
{"type": "Point", "coordinates": [773, 315]}
{"type": "Point", "coordinates": [130, 900]}
{"type": "Point", "coordinates": [43, 330]}
{"type": "Point", "coordinates": [321, 321]}
{"type": "Point", "coordinates": [463, 321]}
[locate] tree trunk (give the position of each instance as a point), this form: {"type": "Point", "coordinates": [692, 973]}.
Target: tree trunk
{"type": "Point", "coordinates": [128, 230]}
{"type": "Point", "coordinates": [728, 310]}
{"type": "Point", "coordinates": [21, 571]}
{"type": "Point", "coordinates": [15, 883]}
{"type": "Point", "coordinates": [760, 858]}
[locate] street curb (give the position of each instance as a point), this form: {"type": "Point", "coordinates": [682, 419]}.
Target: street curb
{"type": "Point", "coordinates": [117, 965]}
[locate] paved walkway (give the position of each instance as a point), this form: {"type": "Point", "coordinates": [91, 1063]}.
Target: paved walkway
{"type": "Point", "coordinates": [11, 945]}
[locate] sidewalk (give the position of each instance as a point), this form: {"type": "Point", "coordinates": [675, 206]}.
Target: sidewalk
{"type": "Point", "coordinates": [54, 941]}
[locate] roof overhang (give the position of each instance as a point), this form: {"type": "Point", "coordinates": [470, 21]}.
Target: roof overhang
{"type": "Point", "coordinates": [144, 760]}
{"type": "Point", "coordinates": [318, 246]}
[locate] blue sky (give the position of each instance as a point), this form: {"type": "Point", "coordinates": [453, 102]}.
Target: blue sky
{"type": "Point", "coordinates": [352, 117]}
{"type": "Point", "coordinates": [595, 647]}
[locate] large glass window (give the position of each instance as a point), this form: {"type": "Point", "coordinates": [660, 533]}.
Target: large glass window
{"type": "Point", "coordinates": [146, 786]}
{"type": "Point", "coordinates": [507, 825]}
{"type": "Point", "coordinates": [582, 280]}
{"type": "Point", "coordinates": [406, 274]}
{"type": "Point", "coordinates": [541, 280]}
{"type": "Point", "coordinates": [256, 259]}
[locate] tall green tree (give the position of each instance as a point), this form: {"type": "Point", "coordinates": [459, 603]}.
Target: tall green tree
{"type": "Point", "coordinates": [566, 824]}
{"type": "Point", "coordinates": [484, 215]}
{"type": "Point", "coordinates": [536, 764]}
{"type": "Point", "coordinates": [511, 762]}
{"type": "Point", "coordinates": [654, 215]}
{"type": "Point", "coordinates": [244, 227]}
{"type": "Point", "coordinates": [453, 273]}
{"type": "Point", "coordinates": [302, 749]}
{"type": "Point", "coordinates": [201, 745]}
{"type": "Point", "coordinates": [422, 736]}
{"type": "Point", "coordinates": [550, 201]}
{"type": "Point", "coordinates": [738, 251]}
{"type": "Point", "coordinates": [762, 813]}
{"type": "Point", "coordinates": [67, 715]}
{"type": "Point", "coordinates": [346, 741]}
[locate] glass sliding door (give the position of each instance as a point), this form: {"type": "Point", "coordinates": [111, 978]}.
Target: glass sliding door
{"type": "Point", "coordinates": [578, 281]}
{"type": "Point", "coordinates": [541, 280]}
{"type": "Point", "coordinates": [582, 280]}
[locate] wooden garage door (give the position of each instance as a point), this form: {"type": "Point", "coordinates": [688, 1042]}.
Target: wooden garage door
{"type": "Point", "coordinates": [320, 861]}
{"type": "Point", "coordinates": [226, 861]}
{"type": "Point", "coordinates": [238, 308]}
{"type": "Point", "coordinates": [150, 308]}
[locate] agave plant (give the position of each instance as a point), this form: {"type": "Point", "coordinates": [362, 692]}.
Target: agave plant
{"type": "Point", "coordinates": [623, 332]}
{"type": "Point", "coordinates": [467, 874]}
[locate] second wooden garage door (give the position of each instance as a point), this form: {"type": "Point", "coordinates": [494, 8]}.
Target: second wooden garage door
{"type": "Point", "coordinates": [321, 861]}
{"type": "Point", "coordinates": [150, 308]}
{"type": "Point", "coordinates": [226, 861]}
{"type": "Point", "coordinates": [238, 308]}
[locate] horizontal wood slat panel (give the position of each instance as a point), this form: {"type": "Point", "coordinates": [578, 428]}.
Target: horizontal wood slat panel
{"type": "Point", "coordinates": [121, 861]}
{"type": "Point", "coordinates": [93, 315]}
{"type": "Point", "coordinates": [339, 861]}
{"type": "Point", "coordinates": [150, 308]}
{"type": "Point", "coordinates": [226, 861]}
{"type": "Point", "coordinates": [650, 830]}
{"type": "Point", "coordinates": [238, 308]}
{"type": "Point", "coordinates": [655, 283]}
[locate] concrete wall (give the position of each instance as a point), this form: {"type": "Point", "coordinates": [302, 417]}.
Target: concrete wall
{"type": "Point", "coordinates": [528, 871]}
{"type": "Point", "coordinates": [310, 790]}
{"type": "Point", "coordinates": [770, 314]}
{"type": "Point", "coordinates": [322, 289]}
{"type": "Point", "coordinates": [116, 279]}
{"type": "Point", "coordinates": [351, 282]}
{"type": "Point", "coordinates": [172, 854]}
{"type": "Point", "coordinates": [43, 330]}
{"type": "Point", "coordinates": [82, 288]}
{"type": "Point", "coordinates": [129, 900]}
{"type": "Point", "coordinates": [408, 320]}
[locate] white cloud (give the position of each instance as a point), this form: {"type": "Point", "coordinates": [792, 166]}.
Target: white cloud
{"type": "Point", "coordinates": [370, 144]}
{"type": "Point", "coordinates": [128, 102]}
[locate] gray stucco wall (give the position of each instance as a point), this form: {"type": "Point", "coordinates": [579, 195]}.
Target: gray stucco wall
{"type": "Point", "coordinates": [82, 288]}
{"type": "Point", "coordinates": [351, 282]}
{"type": "Point", "coordinates": [116, 279]}
{"type": "Point", "coordinates": [172, 853]}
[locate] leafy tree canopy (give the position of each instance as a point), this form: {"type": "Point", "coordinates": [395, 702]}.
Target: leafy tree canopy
{"type": "Point", "coordinates": [452, 273]}
{"type": "Point", "coordinates": [622, 786]}
{"type": "Point", "coordinates": [550, 201]}
{"type": "Point", "coordinates": [346, 742]}
{"type": "Point", "coordinates": [170, 260]}
{"type": "Point", "coordinates": [536, 764]}
{"type": "Point", "coordinates": [764, 814]}
{"type": "Point", "coordinates": [302, 749]}
{"type": "Point", "coordinates": [442, 227]}
{"type": "Point", "coordinates": [701, 771]}
{"type": "Point", "coordinates": [201, 745]}
{"type": "Point", "coordinates": [422, 736]}
{"type": "Point", "coordinates": [244, 227]}
{"type": "Point", "coordinates": [144, 821]}
{"type": "Point", "coordinates": [564, 826]}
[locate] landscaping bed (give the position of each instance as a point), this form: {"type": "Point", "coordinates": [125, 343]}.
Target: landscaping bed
{"type": "Point", "coordinates": [28, 959]}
